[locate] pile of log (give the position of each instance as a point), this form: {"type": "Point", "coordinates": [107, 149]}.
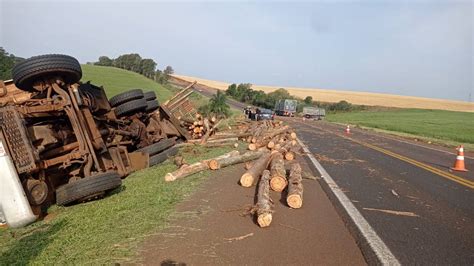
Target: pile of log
{"type": "Point", "coordinates": [269, 161]}
{"type": "Point", "coordinates": [200, 126]}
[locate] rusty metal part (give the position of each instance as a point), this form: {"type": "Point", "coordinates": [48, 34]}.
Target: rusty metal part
{"type": "Point", "coordinates": [16, 138]}
{"type": "Point", "coordinates": [60, 150]}
{"type": "Point", "coordinates": [139, 160]}
{"type": "Point", "coordinates": [65, 160]}
{"type": "Point", "coordinates": [36, 191]}
{"type": "Point", "coordinates": [3, 89]}
{"type": "Point", "coordinates": [119, 156]}
{"type": "Point", "coordinates": [96, 137]}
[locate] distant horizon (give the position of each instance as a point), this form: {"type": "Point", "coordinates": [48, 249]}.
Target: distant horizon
{"type": "Point", "coordinates": [419, 49]}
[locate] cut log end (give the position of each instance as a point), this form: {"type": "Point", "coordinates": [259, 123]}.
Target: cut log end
{"type": "Point", "coordinates": [278, 183]}
{"type": "Point", "coordinates": [214, 164]}
{"type": "Point", "coordinates": [264, 219]}
{"type": "Point", "coordinates": [246, 180]}
{"type": "Point", "coordinates": [252, 146]}
{"type": "Point", "coordinates": [169, 177]}
{"type": "Point", "coordinates": [289, 156]}
{"type": "Point", "coordinates": [293, 135]}
{"type": "Point", "coordinates": [294, 201]}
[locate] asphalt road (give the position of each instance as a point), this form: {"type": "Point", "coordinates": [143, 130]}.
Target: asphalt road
{"type": "Point", "coordinates": [423, 212]}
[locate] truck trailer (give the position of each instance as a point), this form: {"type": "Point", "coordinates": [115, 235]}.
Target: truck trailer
{"type": "Point", "coordinates": [286, 107]}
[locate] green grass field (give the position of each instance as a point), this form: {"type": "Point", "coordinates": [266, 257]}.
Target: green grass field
{"type": "Point", "coordinates": [108, 230]}
{"type": "Point", "coordinates": [116, 80]}
{"type": "Point", "coordinates": [447, 126]}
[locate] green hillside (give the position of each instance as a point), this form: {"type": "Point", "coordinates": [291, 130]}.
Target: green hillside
{"type": "Point", "coordinates": [116, 80]}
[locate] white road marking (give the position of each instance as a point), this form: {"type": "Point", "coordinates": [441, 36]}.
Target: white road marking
{"type": "Point", "coordinates": [383, 253]}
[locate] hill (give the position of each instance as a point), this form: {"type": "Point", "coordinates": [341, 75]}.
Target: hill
{"type": "Point", "coordinates": [116, 80]}
{"type": "Point", "coordinates": [361, 98]}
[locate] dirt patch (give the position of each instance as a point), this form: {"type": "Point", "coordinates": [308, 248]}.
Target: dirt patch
{"type": "Point", "coordinates": [213, 227]}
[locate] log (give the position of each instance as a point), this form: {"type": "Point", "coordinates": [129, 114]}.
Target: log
{"type": "Point", "coordinates": [219, 163]}
{"type": "Point", "coordinates": [278, 180]}
{"type": "Point", "coordinates": [295, 187]}
{"type": "Point", "coordinates": [193, 168]}
{"type": "Point", "coordinates": [198, 141]}
{"type": "Point", "coordinates": [230, 135]}
{"type": "Point", "coordinates": [208, 133]}
{"type": "Point", "coordinates": [252, 174]}
{"type": "Point", "coordinates": [163, 156]}
{"type": "Point", "coordinates": [264, 203]}
{"type": "Point", "coordinates": [293, 135]}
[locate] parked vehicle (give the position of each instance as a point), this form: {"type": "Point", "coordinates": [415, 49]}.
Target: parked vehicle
{"type": "Point", "coordinates": [63, 141]}
{"type": "Point", "coordinates": [314, 113]}
{"type": "Point", "coordinates": [286, 107]}
{"type": "Point", "coordinates": [261, 114]}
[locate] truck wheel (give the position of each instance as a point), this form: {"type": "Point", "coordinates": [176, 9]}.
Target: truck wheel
{"type": "Point", "coordinates": [131, 107]}
{"type": "Point", "coordinates": [86, 187]}
{"type": "Point", "coordinates": [149, 95]}
{"type": "Point", "coordinates": [152, 106]}
{"type": "Point", "coordinates": [30, 70]}
{"type": "Point", "coordinates": [126, 97]}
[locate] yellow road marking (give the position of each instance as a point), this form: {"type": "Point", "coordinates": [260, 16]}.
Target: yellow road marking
{"type": "Point", "coordinates": [429, 168]}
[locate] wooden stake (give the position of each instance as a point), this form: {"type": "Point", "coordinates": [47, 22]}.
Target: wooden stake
{"type": "Point", "coordinates": [295, 187]}
{"type": "Point", "coordinates": [264, 203]}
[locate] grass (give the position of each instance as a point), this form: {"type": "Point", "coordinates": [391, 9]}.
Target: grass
{"type": "Point", "coordinates": [111, 229]}
{"type": "Point", "coordinates": [107, 230]}
{"type": "Point", "coordinates": [444, 126]}
{"type": "Point", "coordinates": [116, 80]}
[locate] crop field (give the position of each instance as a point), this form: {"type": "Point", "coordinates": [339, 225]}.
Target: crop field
{"type": "Point", "coordinates": [107, 230]}
{"type": "Point", "coordinates": [456, 127]}
{"type": "Point", "coordinates": [116, 80]}
{"type": "Point", "coordinates": [360, 98]}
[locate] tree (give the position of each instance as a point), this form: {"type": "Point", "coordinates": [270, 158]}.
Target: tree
{"type": "Point", "coordinates": [147, 67]}
{"type": "Point", "coordinates": [104, 61]}
{"type": "Point", "coordinates": [218, 105]}
{"type": "Point", "coordinates": [231, 90]}
{"type": "Point", "coordinates": [308, 100]}
{"type": "Point", "coordinates": [168, 70]}
{"type": "Point", "coordinates": [7, 62]}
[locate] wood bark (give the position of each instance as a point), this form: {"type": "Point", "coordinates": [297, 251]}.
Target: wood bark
{"type": "Point", "coordinates": [264, 202]}
{"type": "Point", "coordinates": [295, 187]}
{"type": "Point", "coordinates": [252, 174]}
{"type": "Point", "coordinates": [192, 169]}
{"type": "Point", "coordinates": [218, 163]}
{"type": "Point", "coordinates": [278, 180]}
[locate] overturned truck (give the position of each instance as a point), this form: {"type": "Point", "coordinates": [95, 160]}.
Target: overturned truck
{"type": "Point", "coordinates": [63, 141]}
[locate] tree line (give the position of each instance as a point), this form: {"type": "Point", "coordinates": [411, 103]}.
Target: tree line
{"type": "Point", "coordinates": [244, 93]}
{"type": "Point", "coordinates": [7, 61]}
{"type": "Point", "coordinates": [134, 62]}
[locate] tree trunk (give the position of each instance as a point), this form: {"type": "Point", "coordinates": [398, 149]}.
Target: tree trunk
{"type": "Point", "coordinates": [264, 203]}
{"type": "Point", "coordinates": [208, 133]}
{"type": "Point", "coordinates": [218, 163]}
{"type": "Point", "coordinates": [278, 180]}
{"type": "Point", "coordinates": [295, 187]}
{"type": "Point", "coordinates": [252, 174]}
{"type": "Point", "coordinates": [193, 168]}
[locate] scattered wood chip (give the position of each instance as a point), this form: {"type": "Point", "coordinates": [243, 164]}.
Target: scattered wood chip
{"type": "Point", "coordinates": [400, 213]}
{"type": "Point", "coordinates": [395, 193]}
{"type": "Point", "coordinates": [238, 238]}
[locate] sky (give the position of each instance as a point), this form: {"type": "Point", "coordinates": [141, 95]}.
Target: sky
{"type": "Point", "coordinates": [415, 48]}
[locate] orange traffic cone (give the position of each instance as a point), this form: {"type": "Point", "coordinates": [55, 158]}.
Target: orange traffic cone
{"type": "Point", "coordinates": [348, 130]}
{"type": "Point", "coordinates": [459, 164]}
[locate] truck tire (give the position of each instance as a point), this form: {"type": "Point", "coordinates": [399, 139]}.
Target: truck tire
{"type": "Point", "coordinates": [30, 70]}
{"type": "Point", "coordinates": [126, 97]}
{"type": "Point", "coordinates": [163, 156]}
{"type": "Point", "coordinates": [152, 106]}
{"type": "Point", "coordinates": [87, 187]}
{"type": "Point", "coordinates": [131, 107]}
{"type": "Point", "coordinates": [158, 147]}
{"type": "Point", "coordinates": [149, 95]}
